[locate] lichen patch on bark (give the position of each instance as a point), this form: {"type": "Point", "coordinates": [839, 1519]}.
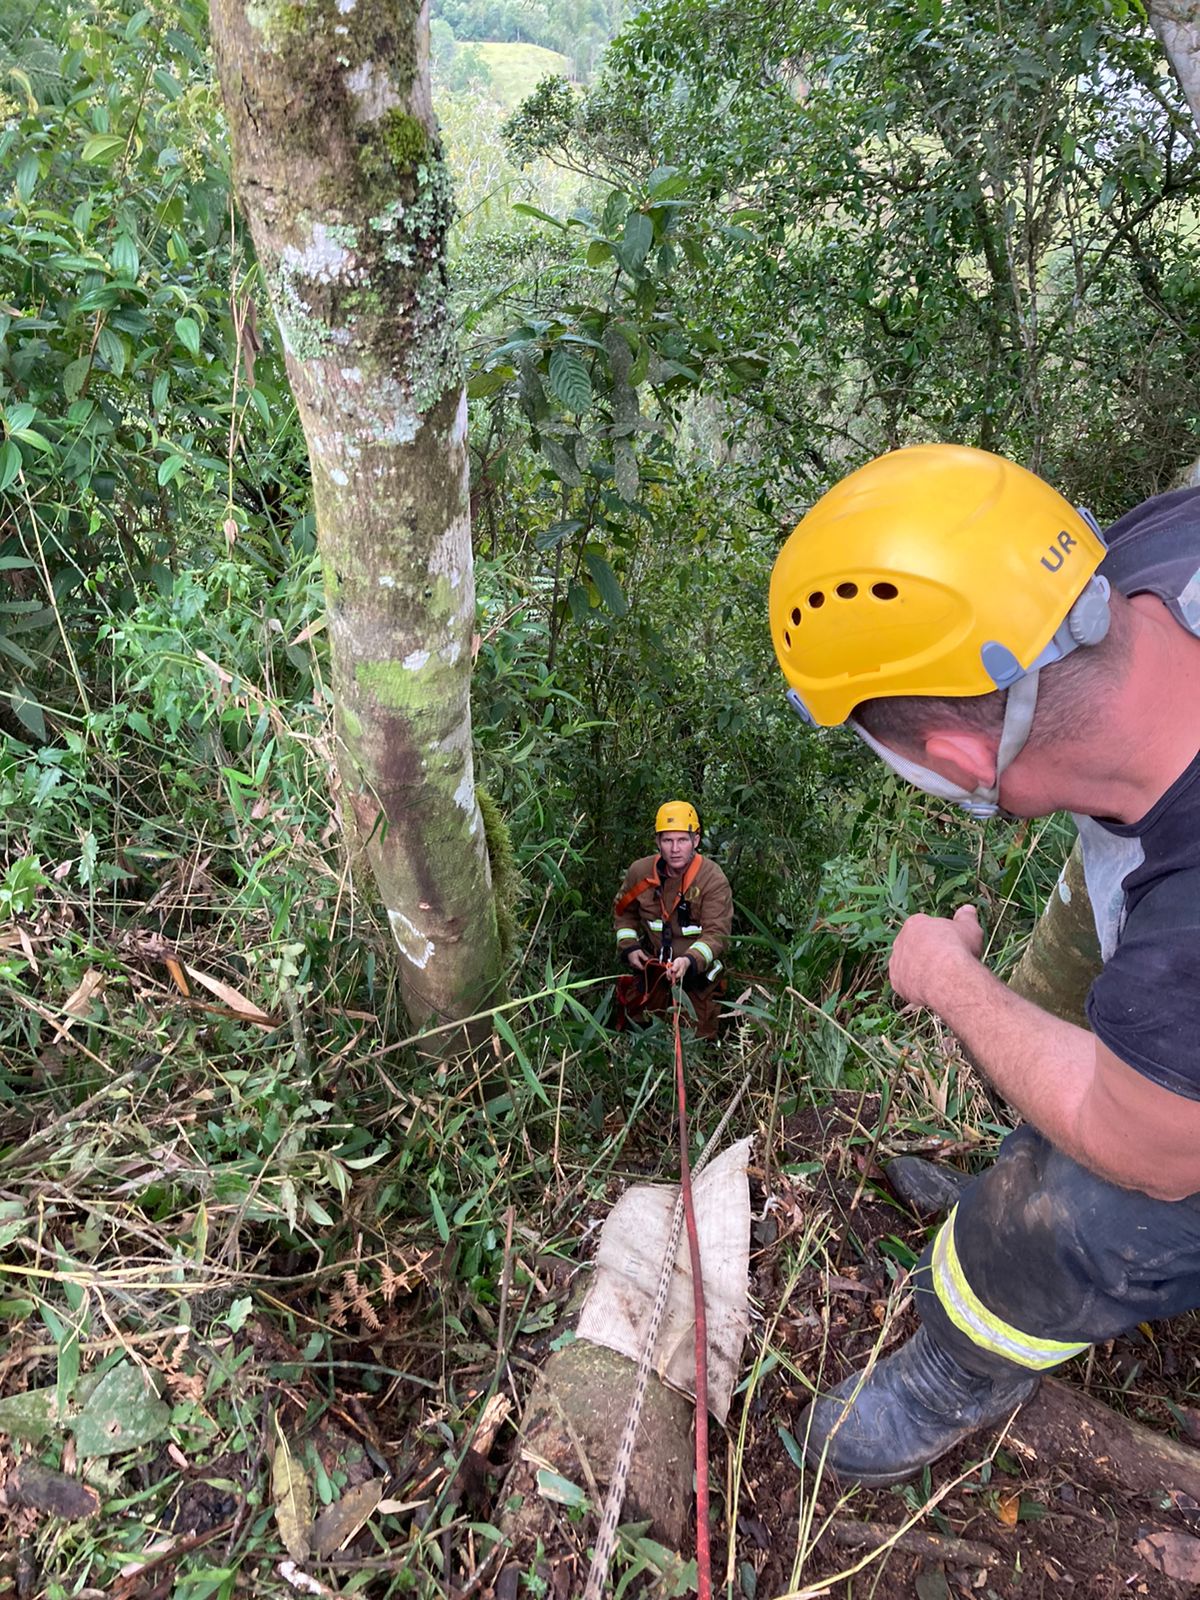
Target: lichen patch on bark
{"type": "Point", "coordinates": [410, 941]}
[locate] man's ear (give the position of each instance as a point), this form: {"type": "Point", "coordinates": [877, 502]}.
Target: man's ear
{"type": "Point", "coordinates": [964, 756]}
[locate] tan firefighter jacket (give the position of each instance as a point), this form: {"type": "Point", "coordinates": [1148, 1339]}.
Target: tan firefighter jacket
{"type": "Point", "coordinates": [699, 924]}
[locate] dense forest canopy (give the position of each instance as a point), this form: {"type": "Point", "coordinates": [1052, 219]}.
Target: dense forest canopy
{"type": "Point", "coordinates": [718, 257]}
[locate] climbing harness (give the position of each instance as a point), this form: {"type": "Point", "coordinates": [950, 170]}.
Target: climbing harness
{"type": "Point", "coordinates": [606, 1538]}
{"type": "Point", "coordinates": [655, 882]}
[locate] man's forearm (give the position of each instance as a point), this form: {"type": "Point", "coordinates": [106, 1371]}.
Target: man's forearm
{"type": "Point", "coordinates": [1041, 1065]}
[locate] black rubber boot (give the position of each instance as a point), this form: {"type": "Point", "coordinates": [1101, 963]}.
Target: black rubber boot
{"type": "Point", "coordinates": [916, 1405]}
{"type": "Point", "coordinates": [928, 1187]}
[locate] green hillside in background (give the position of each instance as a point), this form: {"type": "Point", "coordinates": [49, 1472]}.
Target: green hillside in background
{"type": "Point", "coordinates": [516, 69]}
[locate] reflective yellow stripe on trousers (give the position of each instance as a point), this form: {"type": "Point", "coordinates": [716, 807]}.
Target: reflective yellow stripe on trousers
{"type": "Point", "coordinates": [983, 1327]}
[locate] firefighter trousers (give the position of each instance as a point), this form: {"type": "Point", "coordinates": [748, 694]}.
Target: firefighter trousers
{"type": "Point", "coordinates": [1041, 1258]}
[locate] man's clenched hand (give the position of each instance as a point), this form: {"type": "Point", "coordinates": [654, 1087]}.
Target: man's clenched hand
{"type": "Point", "coordinates": [930, 955]}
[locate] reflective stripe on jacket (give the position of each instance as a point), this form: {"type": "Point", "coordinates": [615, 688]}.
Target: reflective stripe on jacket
{"type": "Point", "coordinates": [702, 934]}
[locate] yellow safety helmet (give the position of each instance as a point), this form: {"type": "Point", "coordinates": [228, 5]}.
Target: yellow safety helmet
{"type": "Point", "coordinates": [934, 570]}
{"type": "Point", "coordinates": [677, 816]}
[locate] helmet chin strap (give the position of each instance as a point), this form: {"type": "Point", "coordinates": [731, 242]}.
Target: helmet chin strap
{"type": "Point", "coordinates": [983, 801]}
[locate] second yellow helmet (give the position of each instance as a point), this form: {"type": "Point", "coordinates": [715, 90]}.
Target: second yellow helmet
{"type": "Point", "coordinates": [934, 570]}
{"type": "Point", "coordinates": [677, 816]}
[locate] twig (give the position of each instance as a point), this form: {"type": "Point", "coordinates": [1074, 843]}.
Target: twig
{"type": "Point", "coordinates": [505, 1285]}
{"type": "Point", "coordinates": [916, 1542]}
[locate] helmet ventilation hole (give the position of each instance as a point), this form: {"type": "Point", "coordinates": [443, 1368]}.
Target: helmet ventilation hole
{"type": "Point", "coordinates": [884, 591]}
{"type": "Point", "coordinates": [816, 600]}
{"type": "Point", "coordinates": [847, 591]}
{"type": "Point", "coordinates": [796, 616]}
{"type": "Point", "coordinates": [787, 639]}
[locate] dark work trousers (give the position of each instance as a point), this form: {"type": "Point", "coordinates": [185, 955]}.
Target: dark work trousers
{"type": "Point", "coordinates": [1062, 1254]}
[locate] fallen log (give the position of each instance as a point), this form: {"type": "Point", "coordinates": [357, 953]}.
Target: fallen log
{"type": "Point", "coordinates": [1065, 1428]}
{"type": "Point", "coordinates": [572, 1427]}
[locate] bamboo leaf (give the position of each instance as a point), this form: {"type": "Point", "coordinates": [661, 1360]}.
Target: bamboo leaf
{"type": "Point", "coordinates": [439, 1216]}
{"type": "Point", "coordinates": [504, 1029]}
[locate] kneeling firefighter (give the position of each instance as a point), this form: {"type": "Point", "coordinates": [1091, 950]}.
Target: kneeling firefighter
{"type": "Point", "coordinates": [982, 637]}
{"type": "Point", "coordinates": [672, 919]}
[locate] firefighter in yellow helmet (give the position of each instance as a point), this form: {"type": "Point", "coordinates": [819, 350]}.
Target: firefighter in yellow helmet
{"type": "Point", "coordinates": [672, 920]}
{"type": "Point", "coordinates": [986, 641]}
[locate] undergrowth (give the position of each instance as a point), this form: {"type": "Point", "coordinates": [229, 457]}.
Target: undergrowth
{"type": "Point", "coordinates": [237, 1205]}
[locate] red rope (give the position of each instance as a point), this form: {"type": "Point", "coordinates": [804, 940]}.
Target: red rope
{"type": "Point", "coordinates": [703, 1559]}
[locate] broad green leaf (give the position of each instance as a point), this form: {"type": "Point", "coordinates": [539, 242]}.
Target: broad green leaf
{"type": "Point", "coordinates": [563, 462]}
{"type": "Point", "coordinates": [160, 390]}
{"type": "Point", "coordinates": [569, 380]}
{"type": "Point", "coordinates": [75, 376]}
{"type": "Point", "coordinates": [554, 535]}
{"type": "Point", "coordinates": [19, 416]}
{"type": "Point", "coordinates": [170, 468]}
{"type": "Point", "coordinates": [481, 384]}
{"type": "Point", "coordinates": [792, 1448]}
{"type": "Point", "coordinates": [102, 147]}
{"type": "Point", "coordinates": [111, 349]}
{"type": "Point", "coordinates": [317, 1212]}
{"type": "Point", "coordinates": [598, 252]}
{"type": "Point", "coordinates": [638, 237]}
{"type": "Point", "coordinates": [27, 175]}
{"type": "Point", "coordinates": [29, 1416]}
{"type": "Point", "coordinates": [125, 260]}
{"type": "Point", "coordinates": [187, 331]}
{"type": "Point", "coordinates": [13, 1222]}
{"type": "Point", "coordinates": [29, 713]}
{"type": "Point", "coordinates": [666, 182]}
{"type": "Point", "coordinates": [607, 587]}
{"type": "Point", "coordinates": [579, 601]}
{"type": "Point", "coordinates": [15, 653]}
{"type": "Point", "coordinates": [10, 463]}
{"type": "Point", "coordinates": [122, 1412]}
{"type": "Point", "coordinates": [38, 440]}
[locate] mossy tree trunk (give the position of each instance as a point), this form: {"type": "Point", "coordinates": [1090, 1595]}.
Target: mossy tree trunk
{"type": "Point", "coordinates": [338, 169]}
{"type": "Point", "coordinates": [1177, 25]}
{"type": "Point", "coordinates": [1062, 959]}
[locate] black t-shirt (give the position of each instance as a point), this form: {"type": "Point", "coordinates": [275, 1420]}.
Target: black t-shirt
{"type": "Point", "coordinates": [1145, 1004]}
{"type": "Point", "coordinates": [1144, 877]}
